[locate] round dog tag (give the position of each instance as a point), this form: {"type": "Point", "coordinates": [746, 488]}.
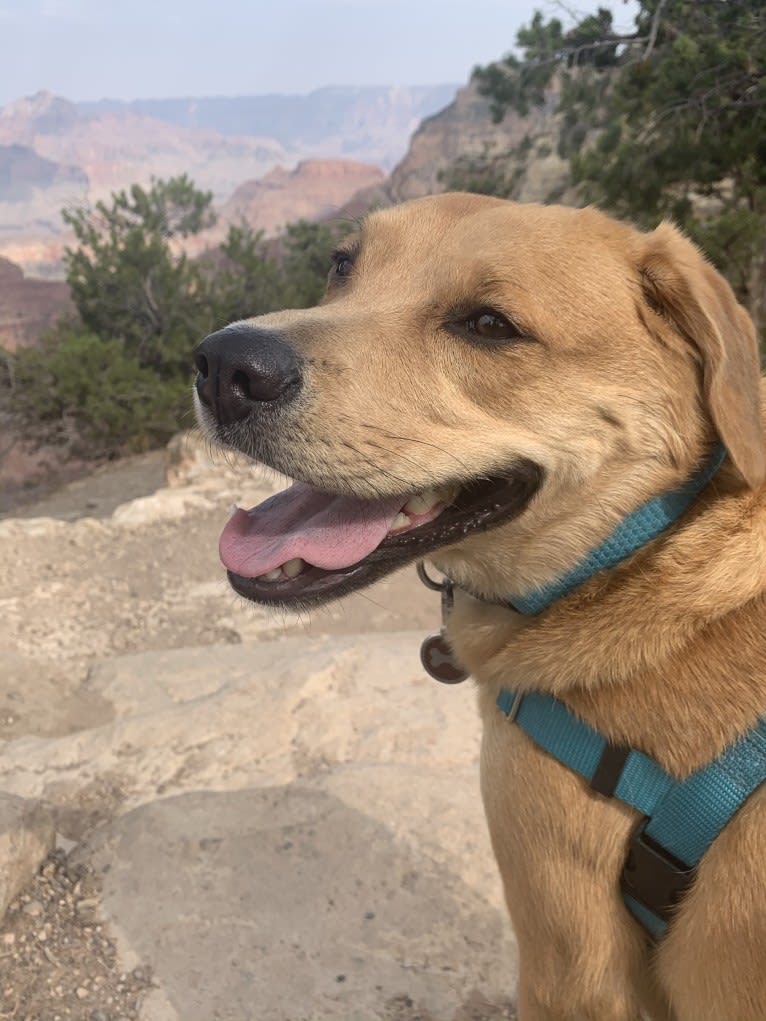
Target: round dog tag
{"type": "Point", "coordinates": [439, 661]}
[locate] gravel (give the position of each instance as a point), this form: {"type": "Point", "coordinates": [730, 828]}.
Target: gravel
{"type": "Point", "coordinates": [56, 960]}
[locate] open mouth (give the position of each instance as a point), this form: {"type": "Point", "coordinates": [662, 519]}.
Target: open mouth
{"type": "Point", "coordinates": [304, 547]}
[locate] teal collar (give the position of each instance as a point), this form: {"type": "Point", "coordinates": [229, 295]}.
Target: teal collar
{"type": "Point", "coordinates": [641, 526]}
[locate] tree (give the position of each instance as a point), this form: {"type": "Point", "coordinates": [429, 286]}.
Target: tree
{"type": "Point", "coordinates": [685, 136]}
{"type": "Point", "coordinates": [116, 403]}
{"type": "Point", "coordinates": [517, 84]}
{"type": "Point", "coordinates": [128, 280]}
{"type": "Point", "coordinates": [244, 279]}
{"type": "Point", "coordinates": [121, 370]}
{"type": "Point", "coordinates": [306, 260]}
{"type": "Point", "coordinates": [666, 121]}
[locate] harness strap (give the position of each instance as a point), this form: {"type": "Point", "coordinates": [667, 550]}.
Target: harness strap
{"type": "Point", "coordinates": [680, 818]}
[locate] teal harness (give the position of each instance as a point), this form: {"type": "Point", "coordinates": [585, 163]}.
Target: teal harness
{"type": "Point", "coordinates": [680, 818]}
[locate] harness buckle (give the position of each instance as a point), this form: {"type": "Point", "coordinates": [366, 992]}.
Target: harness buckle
{"type": "Point", "coordinates": [653, 876]}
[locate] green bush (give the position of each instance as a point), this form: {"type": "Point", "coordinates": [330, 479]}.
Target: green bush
{"type": "Point", "coordinates": [116, 403]}
{"type": "Point", "coordinates": [121, 371]}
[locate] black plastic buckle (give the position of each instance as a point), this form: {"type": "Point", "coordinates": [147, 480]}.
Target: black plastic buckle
{"type": "Point", "coordinates": [653, 876]}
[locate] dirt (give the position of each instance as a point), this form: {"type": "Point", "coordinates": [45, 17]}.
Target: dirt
{"type": "Point", "coordinates": [58, 962]}
{"type": "Point", "coordinates": [95, 493]}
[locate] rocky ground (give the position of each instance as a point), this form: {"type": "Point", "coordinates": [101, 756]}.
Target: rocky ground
{"type": "Point", "coordinates": [212, 814]}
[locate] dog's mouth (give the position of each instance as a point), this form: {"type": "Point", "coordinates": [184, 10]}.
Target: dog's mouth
{"type": "Point", "coordinates": [303, 547]}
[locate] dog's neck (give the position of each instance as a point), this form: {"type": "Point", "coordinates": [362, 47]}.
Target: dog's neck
{"type": "Point", "coordinates": [634, 531]}
{"type": "Point", "coordinates": [537, 563]}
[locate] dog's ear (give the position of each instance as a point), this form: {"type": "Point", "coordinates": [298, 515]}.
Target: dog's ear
{"type": "Point", "coordinates": [681, 286]}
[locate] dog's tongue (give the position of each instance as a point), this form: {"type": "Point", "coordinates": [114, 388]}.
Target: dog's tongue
{"type": "Point", "coordinates": [327, 531]}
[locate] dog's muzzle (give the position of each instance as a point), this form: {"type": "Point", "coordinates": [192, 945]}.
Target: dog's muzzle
{"type": "Point", "coordinates": [241, 368]}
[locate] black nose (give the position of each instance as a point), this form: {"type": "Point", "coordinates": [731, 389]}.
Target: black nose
{"type": "Point", "coordinates": [241, 367]}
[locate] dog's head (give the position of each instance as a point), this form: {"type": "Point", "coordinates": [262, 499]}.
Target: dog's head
{"type": "Point", "coordinates": [476, 367]}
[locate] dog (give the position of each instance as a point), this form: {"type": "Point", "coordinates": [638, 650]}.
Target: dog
{"type": "Point", "coordinates": [496, 387]}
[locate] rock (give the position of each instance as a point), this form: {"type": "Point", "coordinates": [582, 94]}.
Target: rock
{"type": "Point", "coordinates": [64, 844]}
{"type": "Point", "coordinates": [147, 578]}
{"type": "Point", "coordinates": [27, 306]}
{"type": "Point", "coordinates": [27, 836]}
{"type": "Point", "coordinates": [281, 811]}
{"type": "Point", "coordinates": [254, 922]}
{"type": "Point", "coordinates": [526, 148]}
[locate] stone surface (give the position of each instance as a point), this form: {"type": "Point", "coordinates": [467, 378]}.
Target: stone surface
{"type": "Point", "coordinates": [26, 836]}
{"type": "Point", "coordinates": [305, 901]}
{"type": "Point", "coordinates": [283, 814]}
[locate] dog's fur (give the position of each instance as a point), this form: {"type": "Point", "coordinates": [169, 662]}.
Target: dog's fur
{"type": "Point", "coordinates": [637, 356]}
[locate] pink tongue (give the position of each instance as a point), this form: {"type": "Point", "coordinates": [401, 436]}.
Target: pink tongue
{"type": "Point", "coordinates": [327, 531]}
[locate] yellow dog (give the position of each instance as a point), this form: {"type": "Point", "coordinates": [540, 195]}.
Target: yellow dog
{"type": "Point", "coordinates": [499, 386]}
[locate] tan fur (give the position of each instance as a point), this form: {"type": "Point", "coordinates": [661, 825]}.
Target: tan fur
{"type": "Point", "coordinates": [640, 358]}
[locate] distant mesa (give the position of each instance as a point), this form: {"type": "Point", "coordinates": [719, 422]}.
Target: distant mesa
{"type": "Point", "coordinates": [314, 190]}
{"type": "Point", "coordinates": [360, 118]}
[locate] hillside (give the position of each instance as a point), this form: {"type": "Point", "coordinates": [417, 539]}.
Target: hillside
{"type": "Point", "coordinates": [23, 171]}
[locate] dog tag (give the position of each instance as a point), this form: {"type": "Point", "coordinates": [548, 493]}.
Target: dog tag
{"type": "Point", "coordinates": [439, 661]}
{"type": "Point", "coordinates": [436, 654]}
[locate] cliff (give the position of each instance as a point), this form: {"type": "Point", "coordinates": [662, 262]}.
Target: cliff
{"type": "Point", "coordinates": [523, 151]}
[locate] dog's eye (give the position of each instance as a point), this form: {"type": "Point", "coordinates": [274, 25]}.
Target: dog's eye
{"type": "Point", "coordinates": [491, 326]}
{"type": "Point", "coordinates": [343, 265]}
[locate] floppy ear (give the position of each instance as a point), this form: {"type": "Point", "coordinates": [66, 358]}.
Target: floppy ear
{"type": "Point", "coordinates": [696, 301]}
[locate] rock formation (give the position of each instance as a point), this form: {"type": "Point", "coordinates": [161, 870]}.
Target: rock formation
{"type": "Point", "coordinates": [314, 190]}
{"type": "Point", "coordinates": [525, 149]}
{"type": "Point", "coordinates": [54, 153]}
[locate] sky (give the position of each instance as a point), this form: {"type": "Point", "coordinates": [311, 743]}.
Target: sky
{"type": "Point", "coordinates": [130, 49]}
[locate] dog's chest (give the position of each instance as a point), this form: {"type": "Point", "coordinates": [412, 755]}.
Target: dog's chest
{"type": "Point", "coordinates": [542, 817]}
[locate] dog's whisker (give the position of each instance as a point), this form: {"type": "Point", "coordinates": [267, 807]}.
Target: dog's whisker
{"type": "Point", "coordinates": [434, 446]}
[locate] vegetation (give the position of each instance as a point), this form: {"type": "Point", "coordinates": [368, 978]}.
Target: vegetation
{"type": "Point", "coordinates": [666, 121]}
{"type": "Point", "coordinates": [120, 371]}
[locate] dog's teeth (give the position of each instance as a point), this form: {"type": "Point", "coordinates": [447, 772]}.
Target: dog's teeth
{"type": "Point", "coordinates": [293, 567]}
{"type": "Point", "coordinates": [233, 508]}
{"type": "Point", "coordinates": [400, 521]}
{"type": "Point", "coordinates": [272, 575]}
{"type": "Point", "coordinates": [422, 502]}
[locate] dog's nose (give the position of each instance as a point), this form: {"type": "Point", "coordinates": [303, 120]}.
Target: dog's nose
{"type": "Point", "coordinates": [241, 367]}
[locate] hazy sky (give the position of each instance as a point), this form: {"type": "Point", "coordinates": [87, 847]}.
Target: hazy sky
{"type": "Point", "coordinates": [89, 49]}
